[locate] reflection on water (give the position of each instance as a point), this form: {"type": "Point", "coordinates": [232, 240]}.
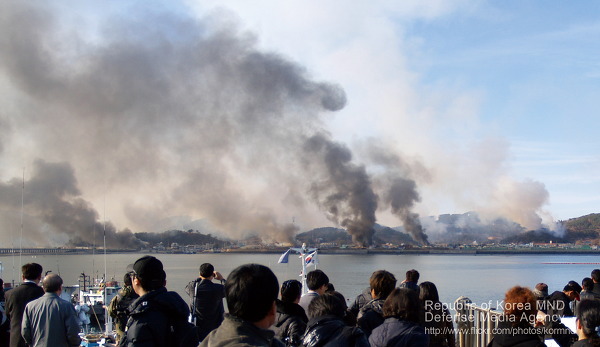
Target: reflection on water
{"type": "Point", "coordinates": [479, 277]}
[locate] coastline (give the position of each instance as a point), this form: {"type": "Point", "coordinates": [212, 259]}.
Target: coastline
{"type": "Point", "coordinates": [361, 251]}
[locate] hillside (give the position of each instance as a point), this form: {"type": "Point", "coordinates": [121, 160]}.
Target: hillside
{"type": "Point", "coordinates": [324, 235]}
{"type": "Point", "coordinates": [180, 237]}
{"type": "Point", "coordinates": [329, 234]}
{"type": "Point", "coordinates": [584, 227]}
{"type": "Point", "coordinates": [535, 236]}
{"type": "Point", "coordinates": [448, 228]}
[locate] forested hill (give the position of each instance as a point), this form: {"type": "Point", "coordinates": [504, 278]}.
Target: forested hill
{"type": "Point", "coordinates": [584, 227]}
{"type": "Point", "coordinates": [190, 237]}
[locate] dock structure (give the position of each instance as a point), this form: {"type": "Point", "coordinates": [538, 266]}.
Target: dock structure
{"type": "Point", "coordinates": [474, 325]}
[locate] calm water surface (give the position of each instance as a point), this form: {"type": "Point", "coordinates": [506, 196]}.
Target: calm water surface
{"type": "Point", "coordinates": [480, 277]}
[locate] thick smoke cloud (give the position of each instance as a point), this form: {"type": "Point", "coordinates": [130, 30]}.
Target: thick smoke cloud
{"type": "Point", "coordinates": [161, 115]}
{"type": "Point", "coordinates": [167, 116]}
{"type": "Point", "coordinates": [52, 200]}
{"type": "Point", "coordinates": [397, 188]}
{"type": "Point", "coordinates": [402, 196]}
{"type": "Point", "coordinates": [343, 189]}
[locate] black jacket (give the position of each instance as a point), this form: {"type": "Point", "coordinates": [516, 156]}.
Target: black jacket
{"type": "Point", "coordinates": [587, 343]}
{"type": "Point", "coordinates": [16, 300]}
{"type": "Point", "coordinates": [410, 285]}
{"type": "Point", "coordinates": [290, 323]}
{"type": "Point", "coordinates": [370, 316]}
{"type": "Point", "coordinates": [208, 308]}
{"type": "Point", "coordinates": [398, 333]}
{"type": "Point", "coordinates": [513, 337]}
{"type": "Point", "coordinates": [360, 301]}
{"type": "Point", "coordinates": [437, 318]}
{"type": "Point", "coordinates": [151, 314]}
{"type": "Point", "coordinates": [596, 289]}
{"type": "Point", "coordinates": [559, 304]}
{"type": "Point", "coordinates": [330, 331]}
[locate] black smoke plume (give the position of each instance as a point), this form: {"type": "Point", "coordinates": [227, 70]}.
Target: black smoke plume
{"type": "Point", "coordinates": [343, 189]}
{"type": "Point", "coordinates": [401, 197]}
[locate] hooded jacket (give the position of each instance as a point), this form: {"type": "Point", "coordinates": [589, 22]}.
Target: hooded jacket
{"type": "Point", "coordinates": [370, 315]}
{"type": "Point", "coordinates": [331, 331]}
{"type": "Point", "coordinates": [290, 323]}
{"type": "Point", "coordinates": [361, 300]}
{"type": "Point", "coordinates": [150, 318]}
{"type": "Point", "coordinates": [398, 333]}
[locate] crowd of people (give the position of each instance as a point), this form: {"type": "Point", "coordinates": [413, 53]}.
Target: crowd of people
{"type": "Point", "coordinates": [262, 313]}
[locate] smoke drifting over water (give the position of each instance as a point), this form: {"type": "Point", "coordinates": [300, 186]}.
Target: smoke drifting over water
{"type": "Point", "coordinates": [172, 116]}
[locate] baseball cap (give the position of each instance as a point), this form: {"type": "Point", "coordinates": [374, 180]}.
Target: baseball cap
{"type": "Point", "coordinates": [150, 269]}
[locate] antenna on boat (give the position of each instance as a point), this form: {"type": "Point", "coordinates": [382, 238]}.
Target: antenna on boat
{"type": "Point", "coordinates": [94, 249]}
{"type": "Point", "coordinates": [22, 207]}
{"type": "Point", "coordinates": [105, 271]}
{"type": "Point", "coordinates": [13, 255]}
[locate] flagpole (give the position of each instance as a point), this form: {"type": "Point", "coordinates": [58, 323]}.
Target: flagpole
{"type": "Point", "coordinates": [303, 256]}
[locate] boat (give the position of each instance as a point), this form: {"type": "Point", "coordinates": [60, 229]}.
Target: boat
{"type": "Point", "coordinates": [97, 294]}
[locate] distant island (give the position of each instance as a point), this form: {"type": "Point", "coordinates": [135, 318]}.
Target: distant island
{"type": "Point", "coordinates": [462, 234]}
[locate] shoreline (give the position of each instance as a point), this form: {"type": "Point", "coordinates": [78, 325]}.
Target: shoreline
{"type": "Point", "coordinates": [43, 251]}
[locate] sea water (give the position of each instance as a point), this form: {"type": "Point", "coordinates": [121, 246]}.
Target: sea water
{"type": "Point", "coordinates": [482, 278]}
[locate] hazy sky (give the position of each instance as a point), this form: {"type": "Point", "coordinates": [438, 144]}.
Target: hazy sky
{"type": "Point", "coordinates": [252, 115]}
{"type": "Point", "coordinates": [449, 75]}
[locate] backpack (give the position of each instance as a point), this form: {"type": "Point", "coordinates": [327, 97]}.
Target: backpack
{"type": "Point", "coordinates": [183, 333]}
{"type": "Point", "coordinates": [122, 309]}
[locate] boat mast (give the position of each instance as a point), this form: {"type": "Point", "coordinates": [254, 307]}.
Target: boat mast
{"type": "Point", "coordinates": [303, 257]}
{"type": "Point", "coordinates": [105, 272]}
{"type": "Point", "coordinates": [22, 207]}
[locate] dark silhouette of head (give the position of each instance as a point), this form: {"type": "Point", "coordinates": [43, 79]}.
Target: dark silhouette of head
{"type": "Point", "coordinates": [207, 270]}
{"type": "Point", "coordinates": [412, 275]}
{"type": "Point", "coordinates": [428, 292]}
{"type": "Point", "coordinates": [316, 279]}
{"type": "Point", "coordinates": [291, 290]}
{"type": "Point", "coordinates": [149, 271]}
{"type": "Point", "coordinates": [327, 304]}
{"type": "Point", "coordinates": [250, 291]}
{"type": "Point", "coordinates": [587, 284]}
{"type": "Point", "coordinates": [588, 316]}
{"type": "Point", "coordinates": [32, 271]}
{"type": "Point", "coordinates": [595, 275]}
{"type": "Point", "coordinates": [52, 283]}
{"type": "Point", "coordinates": [127, 279]}
{"type": "Point", "coordinates": [382, 282]}
{"type": "Point", "coordinates": [402, 303]}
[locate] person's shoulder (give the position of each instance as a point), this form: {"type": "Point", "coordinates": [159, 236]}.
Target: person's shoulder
{"type": "Point", "coordinates": [33, 303]}
{"type": "Point", "coordinates": [582, 343]}
{"type": "Point", "coordinates": [20, 289]}
{"type": "Point", "coordinates": [212, 285]}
